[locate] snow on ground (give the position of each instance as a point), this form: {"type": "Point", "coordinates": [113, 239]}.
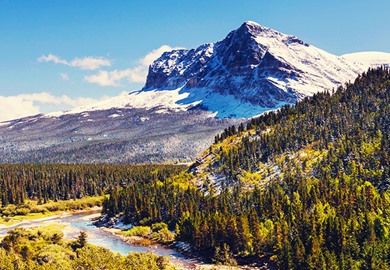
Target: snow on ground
{"type": "Point", "coordinates": [143, 119]}
{"type": "Point", "coordinates": [115, 115]}
{"type": "Point", "coordinates": [371, 59]}
{"type": "Point", "coordinates": [224, 106]}
{"type": "Point", "coordinates": [179, 99]}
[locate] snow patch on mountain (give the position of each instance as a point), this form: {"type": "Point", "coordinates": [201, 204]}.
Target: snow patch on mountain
{"type": "Point", "coordinates": [166, 99]}
{"type": "Point", "coordinates": [317, 69]}
{"type": "Point", "coordinates": [369, 59]}
{"type": "Point", "coordinates": [223, 106]}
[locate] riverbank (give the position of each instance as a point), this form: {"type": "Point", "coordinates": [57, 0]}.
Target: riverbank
{"type": "Point", "coordinates": [32, 210]}
{"type": "Point", "coordinates": [72, 222]}
{"type": "Point", "coordinates": [45, 247]}
{"type": "Point", "coordinates": [187, 258]}
{"type": "Point", "coordinates": [49, 218]}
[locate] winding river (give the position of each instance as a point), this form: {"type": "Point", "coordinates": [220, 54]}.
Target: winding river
{"type": "Point", "coordinates": [99, 237]}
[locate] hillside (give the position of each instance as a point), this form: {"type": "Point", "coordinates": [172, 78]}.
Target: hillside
{"type": "Point", "coordinates": [352, 126]}
{"type": "Point", "coordinates": [305, 187]}
{"type": "Point", "coordinates": [116, 135]}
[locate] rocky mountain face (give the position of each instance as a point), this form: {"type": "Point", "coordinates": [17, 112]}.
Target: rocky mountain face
{"type": "Point", "coordinates": [189, 97]}
{"type": "Point", "coordinates": [254, 65]}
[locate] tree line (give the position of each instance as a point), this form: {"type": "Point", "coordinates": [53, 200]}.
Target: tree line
{"type": "Point", "coordinates": [44, 182]}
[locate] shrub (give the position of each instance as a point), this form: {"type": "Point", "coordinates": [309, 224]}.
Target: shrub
{"type": "Point", "coordinates": [38, 209]}
{"type": "Point", "coordinates": [143, 231]}
{"type": "Point", "coordinates": [159, 226]}
{"type": "Point", "coordinates": [23, 211]}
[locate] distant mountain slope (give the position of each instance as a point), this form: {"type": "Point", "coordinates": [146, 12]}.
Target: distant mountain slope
{"type": "Point", "coordinates": [117, 135]}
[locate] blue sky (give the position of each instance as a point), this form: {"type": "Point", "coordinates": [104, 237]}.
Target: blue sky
{"type": "Point", "coordinates": [57, 54]}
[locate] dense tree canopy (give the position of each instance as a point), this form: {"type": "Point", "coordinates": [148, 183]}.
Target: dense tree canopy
{"type": "Point", "coordinates": [43, 182]}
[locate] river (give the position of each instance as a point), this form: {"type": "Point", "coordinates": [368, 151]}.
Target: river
{"type": "Point", "coordinates": [99, 237]}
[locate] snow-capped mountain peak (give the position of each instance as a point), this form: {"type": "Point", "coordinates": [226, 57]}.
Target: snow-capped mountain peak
{"type": "Point", "coordinates": [254, 65]}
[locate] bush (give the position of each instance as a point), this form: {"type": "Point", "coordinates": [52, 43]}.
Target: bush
{"type": "Point", "coordinates": [52, 207]}
{"type": "Point", "coordinates": [159, 226]}
{"type": "Point", "coordinates": [38, 209]}
{"type": "Point", "coordinates": [23, 211]}
{"type": "Point", "coordinates": [143, 231]}
{"type": "Point", "coordinates": [7, 213]}
{"type": "Point", "coordinates": [9, 210]}
{"type": "Point", "coordinates": [150, 261]}
{"type": "Point", "coordinates": [163, 236]}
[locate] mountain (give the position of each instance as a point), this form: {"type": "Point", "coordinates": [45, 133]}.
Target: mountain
{"type": "Point", "coordinates": [253, 69]}
{"type": "Point", "coordinates": [189, 97]}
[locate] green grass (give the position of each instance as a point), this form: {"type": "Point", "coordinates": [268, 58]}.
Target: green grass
{"type": "Point", "coordinates": [49, 230]}
{"type": "Point", "coordinates": [30, 210]}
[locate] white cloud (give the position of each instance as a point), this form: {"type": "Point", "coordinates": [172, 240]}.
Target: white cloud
{"type": "Point", "coordinates": [136, 74]}
{"type": "Point", "coordinates": [64, 76]}
{"type": "Point", "coordinates": [85, 63]}
{"type": "Point", "coordinates": [112, 78]}
{"type": "Point", "coordinates": [90, 63]}
{"type": "Point", "coordinates": [52, 58]}
{"type": "Point", "coordinates": [13, 107]}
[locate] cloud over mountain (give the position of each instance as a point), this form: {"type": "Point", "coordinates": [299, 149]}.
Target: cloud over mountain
{"type": "Point", "coordinates": [135, 74]}
{"type": "Point", "coordinates": [12, 107]}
